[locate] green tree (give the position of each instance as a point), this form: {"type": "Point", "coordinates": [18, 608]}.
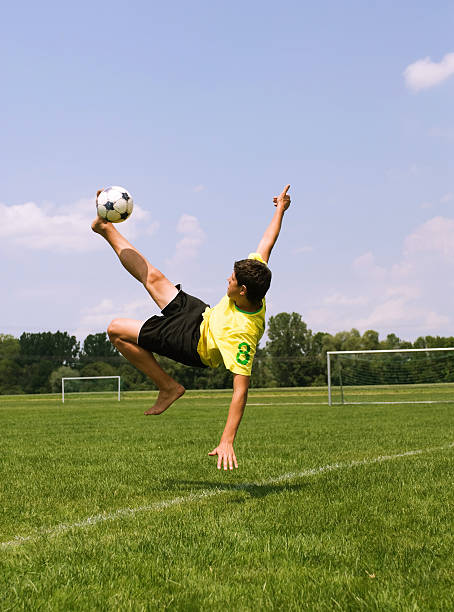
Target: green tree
{"type": "Point", "coordinates": [37, 376]}
{"type": "Point", "coordinates": [261, 370]}
{"type": "Point", "coordinates": [133, 379]}
{"type": "Point", "coordinates": [99, 368]}
{"type": "Point", "coordinates": [59, 348]}
{"type": "Point", "coordinates": [11, 377]}
{"type": "Point", "coordinates": [289, 341]}
{"type": "Point", "coordinates": [434, 342]}
{"type": "Point", "coordinates": [10, 371]}
{"type": "Point", "coordinates": [348, 340]}
{"type": "Point", "coordinates": [391, 342]}
{"type": "Point", "coordinates": [97, 347]}
{"type": "Point", "coordinates": [342, 341]}
{"type": "Point", "coordinates": [320, 343]}
{"type": "Point", "coordinates": [56, 376]}
{"type": "Point", "coordinates": [370, 340]}
{"type": "Point", "coordinates": [9, 346]}
{"type": "Point", "coordinates": [43, 352]}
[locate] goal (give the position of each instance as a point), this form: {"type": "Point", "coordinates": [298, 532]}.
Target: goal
{"type": "Point", "coordinates": [67, 378]}
{"type": "Point", "coordinates": [422, 375]}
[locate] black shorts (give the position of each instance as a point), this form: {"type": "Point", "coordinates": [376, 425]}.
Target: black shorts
{"type": "Point", "coordinates": [175, 333]}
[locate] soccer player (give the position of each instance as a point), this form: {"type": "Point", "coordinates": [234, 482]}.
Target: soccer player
{"type": "Point", "coordinates": [191, 332]}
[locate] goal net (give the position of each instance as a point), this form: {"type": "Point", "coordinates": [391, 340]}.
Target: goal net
{"type": "Point", "coordinates": [91, 384]}
{"type": "Point", "coordinates": [391, 376]}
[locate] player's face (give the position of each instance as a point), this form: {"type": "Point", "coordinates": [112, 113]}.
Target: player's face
{"type": "Point", "coordinates": [233, 289]}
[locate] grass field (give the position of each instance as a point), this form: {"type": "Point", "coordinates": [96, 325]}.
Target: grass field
{"type": "Point", "coordinates": [332, 508]}
{"type": "Point", "coordinates": [393, 394]}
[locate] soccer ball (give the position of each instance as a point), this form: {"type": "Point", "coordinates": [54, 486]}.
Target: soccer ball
{"type": "Point", "coordinates": [114, 204]}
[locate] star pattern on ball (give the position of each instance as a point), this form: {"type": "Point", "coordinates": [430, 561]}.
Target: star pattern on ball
{"type": "Point", "coordinates": [115, 204]}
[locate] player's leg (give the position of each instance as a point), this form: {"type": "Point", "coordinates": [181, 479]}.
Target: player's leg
{"type": "Point", "coordinates": [123, 334]}
{"type": "Point", "coordinates": [158, 286]}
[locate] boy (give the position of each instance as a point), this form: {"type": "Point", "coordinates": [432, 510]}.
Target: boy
{"type": "Point", "coordinates": [191, 332]}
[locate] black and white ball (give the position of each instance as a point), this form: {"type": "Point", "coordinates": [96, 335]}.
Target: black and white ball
{"type": "Point", "coordinates": [114, 204]}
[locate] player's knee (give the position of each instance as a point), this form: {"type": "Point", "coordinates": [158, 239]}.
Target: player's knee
{"type": "Point", "coordinates": [114, 330]}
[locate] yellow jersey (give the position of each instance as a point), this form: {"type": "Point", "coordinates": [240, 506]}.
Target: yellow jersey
{"type": "Point", "coordinates": [231, 335]}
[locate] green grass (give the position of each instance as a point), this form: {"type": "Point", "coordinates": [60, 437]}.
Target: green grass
{"type": "Point", "coordinates": [102, 508]}
{"type": "Point", "coordinates": [435, 392]}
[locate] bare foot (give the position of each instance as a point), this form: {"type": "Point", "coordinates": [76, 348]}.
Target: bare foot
{"type": "Point", "coordinates": [166, 399]}
{"type": "Point", "coordinates": [99, 225]}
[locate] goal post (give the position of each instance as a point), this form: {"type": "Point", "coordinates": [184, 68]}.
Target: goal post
{"type": "Point", "coordinates": [87, 378]}
{"type": "Point", "coordinates": [397, 374]}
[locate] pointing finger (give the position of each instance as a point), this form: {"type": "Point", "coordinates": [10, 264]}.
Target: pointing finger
{"type": "Point", "coordinates": [284, 192]}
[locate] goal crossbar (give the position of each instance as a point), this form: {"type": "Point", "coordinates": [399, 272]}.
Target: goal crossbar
{"type": "Point", "coordinates": [414, 350]}
{"type": "Point", "coordinates": [85, 378]}
{"type": "Point", "coordinates": [362, 352]}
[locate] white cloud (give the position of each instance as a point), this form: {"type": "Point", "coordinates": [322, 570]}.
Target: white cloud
{"type": "Point", "coordinates": [193, 237]}
{"type": "Point", "coordinates": [425, 73]}
{"type": "Point", "coordinates": [410, 297]}
{"type": "Point", "coordinates": [445, 199]}
{"type": "Point", "coordinates": [199, 188]}
{"type": "Point", "coordinates": [331, 319]}
{"type": "Point", "coordinates": [365, 265]}
{"type": "Point", "coordinates": [400, 313]}
{"type": "Point", "coordinates": [388, 313]}
{"type": "Point", "coordinates": [94, 319]}
{"type": "Point", "coordinates": [64, 229]}
{"type": "Point", "coordinates": [303, 249]}
{"type": "Point", "coordinates": [403, 291]}
{"type": "Point", "coordinates": [339, 299]}
{"type": "Point", "coordinates": [436, 235]}
{"type": "Point", "coordinates": [443, 134]}
{"type": "Point", "coordinates": [150, 229]}
{"type": "Point", "coordinates": [402, 271]}
{"type": "Point", "coordinates": [434, 321]}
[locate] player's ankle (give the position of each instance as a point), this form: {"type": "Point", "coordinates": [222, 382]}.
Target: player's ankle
{"type": "Point", "coordinates": [172, 387]}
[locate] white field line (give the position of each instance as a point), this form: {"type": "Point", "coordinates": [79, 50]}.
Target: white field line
{"type": "Point", "coordinates": [348, 403]}
{"type": "Point", "coordinates": [192, 497]}
{"type": "Point", "coordinates": [288, 404]}
{"type": "Point", "coordinates": [402, 402]}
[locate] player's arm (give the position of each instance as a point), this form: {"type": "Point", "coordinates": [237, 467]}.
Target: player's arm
{"type": "Point", "coordinates": [225, 452]}
{"type": "Point", "coordinates": [266, 244]}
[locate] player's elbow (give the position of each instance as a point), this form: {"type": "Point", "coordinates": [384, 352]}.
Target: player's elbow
{"type": "Point", "coordinates": [241, 387]}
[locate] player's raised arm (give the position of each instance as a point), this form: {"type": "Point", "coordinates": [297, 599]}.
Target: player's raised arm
{"type": "Point", "coordinates": [266, 244]}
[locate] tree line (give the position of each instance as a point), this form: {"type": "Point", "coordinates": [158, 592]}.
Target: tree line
{"type": "Point", "coordinates": [293, 355]}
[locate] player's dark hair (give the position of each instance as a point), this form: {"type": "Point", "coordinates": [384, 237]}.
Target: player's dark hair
{"type": "Point", "coordinates": [255, 276]}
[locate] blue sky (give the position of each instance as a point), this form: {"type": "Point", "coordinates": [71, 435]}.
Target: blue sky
{"type": "Point", "coordinates": [204, 111]}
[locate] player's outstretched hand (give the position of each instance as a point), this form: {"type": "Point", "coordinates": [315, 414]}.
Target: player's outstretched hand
{"type": "Point", "coordinates": [283, 199]}
{"type": "Point", "coordinates": [226, 455]}
{"type": "Point", "coordinates": [99, 224]}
